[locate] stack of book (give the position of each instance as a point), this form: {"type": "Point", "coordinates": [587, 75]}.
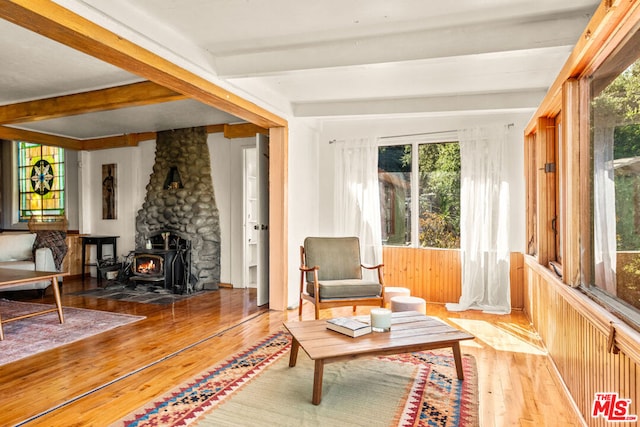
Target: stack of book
{"type": "Point", "coordinates": [348, 326]}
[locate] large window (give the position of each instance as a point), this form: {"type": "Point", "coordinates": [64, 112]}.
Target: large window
{"type": "Point", "coordinates": [615, 143]}
{"type": "Point", "coordinates": [40, 181]}
{"type": "Point", "coordinates": [432, 207]}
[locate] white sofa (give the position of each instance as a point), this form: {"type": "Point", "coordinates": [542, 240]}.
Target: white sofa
{"type": "Point", "coordinates": [16, 251]}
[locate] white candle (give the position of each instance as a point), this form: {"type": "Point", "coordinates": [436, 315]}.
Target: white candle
{"type": "Point", "coordinates": [380, 319]}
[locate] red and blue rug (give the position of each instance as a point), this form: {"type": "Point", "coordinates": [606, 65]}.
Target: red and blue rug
{"type": "Point", "coordinates": [257, 387]}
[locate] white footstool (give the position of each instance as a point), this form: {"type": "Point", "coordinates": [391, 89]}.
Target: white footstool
{"type": "Point", "coordinates": [391, 291]}
{"type": "Point", "coordinates": [404, 303]}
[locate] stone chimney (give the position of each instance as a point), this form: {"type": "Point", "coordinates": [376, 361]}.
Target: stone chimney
{"type": "Point", "coordinates": [180, 199]}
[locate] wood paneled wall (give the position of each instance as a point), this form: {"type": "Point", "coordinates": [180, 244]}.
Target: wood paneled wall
{"type": "Point", "coordinates": [435, 274]}
{"type": "Point", "coordinates": [577, 339]}
{"type": "Point", "coordinates": [72, 261]}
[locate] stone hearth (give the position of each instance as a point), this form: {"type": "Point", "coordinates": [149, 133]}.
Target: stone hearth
{"type": "Point", "coordinates": [180, 199]}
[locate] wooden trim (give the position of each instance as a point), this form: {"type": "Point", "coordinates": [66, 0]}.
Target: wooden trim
{"type": "Point", "coordinates": [278, 217]}
{"type": "Point", "coordinates": [516, 280]}
{"type": "Point", "coordinates": [132, 95]}
{"type": "Point", "coordinates": [531, 173]}
{"type": "Point", "coordinates": [585, 187]}
{"type": "Point", "coordinates": [119, 141]}
{"type": "Point", "coordinates": [243, 130]}
{"type": "Point", "coordinates": [607, 19]}
{"type": "Point", "coordinates": [546, 190]}
{"type": "Point", "coordinates": [571, 182]}
{"type": "Point", "coordinates": [13, 134]}
{"type": "Point", "coordinates": [57, 23]}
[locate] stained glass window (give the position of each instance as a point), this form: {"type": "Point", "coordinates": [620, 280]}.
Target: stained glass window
{"type": "Point", "coordinates": [40, 181]}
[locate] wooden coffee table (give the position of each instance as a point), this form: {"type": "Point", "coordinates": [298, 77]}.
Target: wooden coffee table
{"type": "Point", "coordinates": [11, 277]}
{"type": "Point", "coordinates": [410, 331]}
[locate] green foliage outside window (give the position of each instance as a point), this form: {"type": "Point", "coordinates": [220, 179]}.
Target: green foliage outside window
{"type": "Point", "coordinates": [439, 195]}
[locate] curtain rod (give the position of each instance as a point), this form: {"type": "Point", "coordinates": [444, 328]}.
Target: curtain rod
{"type": "Point", "coordinates": [417, 134]}
{"type": "Point", "coordinates": [509, 126]}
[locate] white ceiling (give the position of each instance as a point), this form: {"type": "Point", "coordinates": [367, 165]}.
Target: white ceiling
{"type": "Point", "coordinates": [324, 59]}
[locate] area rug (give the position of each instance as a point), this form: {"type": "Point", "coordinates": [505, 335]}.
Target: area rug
{"type": "Point", "coordinates": [141, 293]}
{"type": "Point", "coordinates": [26, 337]}
{"type": "Point", "coordinates": [258, 388]}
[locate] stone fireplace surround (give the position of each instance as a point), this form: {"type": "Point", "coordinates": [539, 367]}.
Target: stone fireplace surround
{"type": "Point", "coordinates": [180, 199]}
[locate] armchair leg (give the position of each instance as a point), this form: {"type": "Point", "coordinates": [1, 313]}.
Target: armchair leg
{"type": "Point", "coordinates": [354, 308]}
{"type": "Point", "coordinates": [300, 307]}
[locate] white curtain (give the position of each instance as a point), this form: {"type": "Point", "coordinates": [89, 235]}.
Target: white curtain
{"type": "Point", "coordinates": [604, 202]}
{"type": "Point", "coordinates": [484, 221]}
{"type": "Point", "coordinates": [357, 196]}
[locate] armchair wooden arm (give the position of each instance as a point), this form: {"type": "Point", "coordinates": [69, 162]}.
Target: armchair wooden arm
{"type": "Point", "coordinates": [380, 275]}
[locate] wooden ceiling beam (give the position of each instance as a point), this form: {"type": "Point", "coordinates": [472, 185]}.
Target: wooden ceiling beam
{"type": "Point", "coordinates": [240, 130]}
{"type": "Point", "coordinates": [243, 130]}
{"type": "Point", "coordinates": [57, 23]}
{"type": "Point", "coordinates": [13, 134]}
{"type": "Point", "coordinates": [132, 95]}
{"type": "Point", "coordinates": [117, 141]}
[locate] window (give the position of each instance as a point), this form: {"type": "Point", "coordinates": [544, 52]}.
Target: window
{"type": "Point", "coordinates": [41, 181]}
{"type": "Point", "coordinates": [615, 145]}
{"type": "Point", "coordinates": [432, 207]}
{"type": "Point", "coordinates": [394, 177]}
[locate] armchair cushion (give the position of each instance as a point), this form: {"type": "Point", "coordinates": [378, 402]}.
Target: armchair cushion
{"type": "Point", "coordinates": [348, 288]}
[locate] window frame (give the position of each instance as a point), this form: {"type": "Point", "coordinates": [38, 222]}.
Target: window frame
{"type": "Point", "coordinates": [415, 141]}
{"type": "Point", "coordinates": [17, 215]}
{"type": "Point", "coordinates": [617, 306]}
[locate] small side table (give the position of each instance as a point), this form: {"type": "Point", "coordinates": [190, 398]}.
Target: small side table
{"type": "Point", "coordinates": [98, 241]}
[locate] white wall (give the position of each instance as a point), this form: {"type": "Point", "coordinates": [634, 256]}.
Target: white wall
{"type": "Point", "coordinates": [226, 172]}
{"type": "Point", "coordinates": [306, 172]}
{"type": "Point", "coordinates": [134, 166]}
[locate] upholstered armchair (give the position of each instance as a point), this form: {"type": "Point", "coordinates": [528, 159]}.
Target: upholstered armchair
{"type": "Point", "coordinates": [332, 271]}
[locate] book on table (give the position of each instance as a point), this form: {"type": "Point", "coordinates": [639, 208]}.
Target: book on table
{"type": "Point", "coordinates": [348, 326]}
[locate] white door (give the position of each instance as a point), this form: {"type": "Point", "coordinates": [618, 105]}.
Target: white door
{"type": "Point", "coordinates": [262, 175]}
{"type": "Point", "coordinates": [250, 219]}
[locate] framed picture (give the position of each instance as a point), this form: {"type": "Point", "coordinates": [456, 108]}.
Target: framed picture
{"type": "Point", "coordinates": [109, 193]}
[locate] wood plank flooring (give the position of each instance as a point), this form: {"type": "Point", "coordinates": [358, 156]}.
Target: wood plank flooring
{"type": "Point", "coordinates": [98, 380]}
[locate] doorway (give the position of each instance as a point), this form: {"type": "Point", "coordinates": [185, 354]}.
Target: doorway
{"type": "Point", "coordinates": [255, 271]}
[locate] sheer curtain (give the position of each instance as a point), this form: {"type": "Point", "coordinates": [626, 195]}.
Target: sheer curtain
{"type": "Point", "coordinates": [357, 197]}
{"type": "Point", "coordinates": [604, 202]}
{"type": "Point", "coordinates": [484, 221]}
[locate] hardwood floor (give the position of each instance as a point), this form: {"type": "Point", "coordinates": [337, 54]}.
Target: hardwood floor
{"type": "Point", "coordinates": [96, 381]}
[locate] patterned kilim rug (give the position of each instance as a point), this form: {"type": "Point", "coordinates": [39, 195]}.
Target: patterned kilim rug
{"type": "Point", "coordinates": [36, 334]}
{"type": "Point", "coordinates": [140, 293]}
{"type": "Point", "coordinates": [258, 388]}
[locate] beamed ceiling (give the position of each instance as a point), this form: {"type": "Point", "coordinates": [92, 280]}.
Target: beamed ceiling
{"type": "Point", "coordinates": [107, 73]}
